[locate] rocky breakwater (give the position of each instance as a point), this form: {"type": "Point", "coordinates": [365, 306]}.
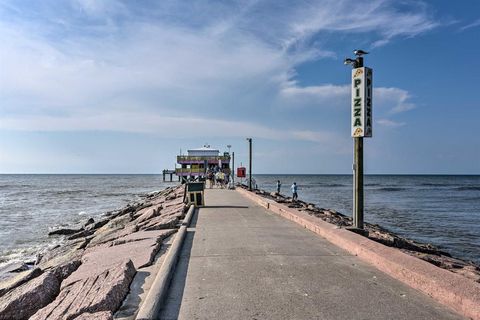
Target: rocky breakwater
{"type": "Point", "coordinates": [89, 276]}
{"type": "Point", "coordinates": [424, 251]}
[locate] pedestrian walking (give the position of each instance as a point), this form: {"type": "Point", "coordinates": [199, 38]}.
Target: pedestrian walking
{"type": "Point", "coordinates": [210, 177]}
{"type": "Point", "coordinates": [294, 191]}
{"type": "Point", "coordinates": [279, 185]}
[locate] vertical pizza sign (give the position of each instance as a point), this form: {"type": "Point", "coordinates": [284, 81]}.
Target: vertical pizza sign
{"type": "Point", "coordinates": [362, 102]}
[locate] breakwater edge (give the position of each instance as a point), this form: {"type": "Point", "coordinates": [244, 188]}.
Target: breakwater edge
{"type": "Point", "coordinates": [104, 256]}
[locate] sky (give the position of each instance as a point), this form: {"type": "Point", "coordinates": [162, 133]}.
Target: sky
{"type": "Point", "coordinates": [110, 86]}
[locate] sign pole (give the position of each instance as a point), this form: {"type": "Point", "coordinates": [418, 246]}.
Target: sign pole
{"type": "Point", "coordinates": [358, 183]}
{"type": "Point", "coordinates": [233, 169]}
{"type": "Point", "coordinates": [361, 127]}
{"type": "Point", "coordinates": [358, 173]}
{"type": "Point", "coordinates": [250, 164]}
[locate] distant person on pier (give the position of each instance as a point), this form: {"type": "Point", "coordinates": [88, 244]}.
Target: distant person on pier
{"type": "Point", "coordinates": [279, 185]}
{"type": "Point", "coordinates": [219, 177]}
{"type": "Point", "coordinates": [294, 191]}
{"type": "Point", "coordinates": [210, 178]}
{"type": "Point", "coordinates": [226, 180]}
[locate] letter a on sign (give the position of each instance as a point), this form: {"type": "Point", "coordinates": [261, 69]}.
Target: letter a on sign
{"type": "Point", "coordinates": [361, 102]}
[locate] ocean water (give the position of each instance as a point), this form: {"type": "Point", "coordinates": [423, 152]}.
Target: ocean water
{"type": "Point", "coordinates": [442, 210]}
{"type": "Point", "coordinates": [32, 205]}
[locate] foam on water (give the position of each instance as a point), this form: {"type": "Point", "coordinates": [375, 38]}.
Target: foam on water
{"type": "Point", "coordinates": [33, 205]}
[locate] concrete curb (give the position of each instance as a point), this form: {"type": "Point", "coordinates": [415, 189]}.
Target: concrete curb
{"type": "Point", "coordinates": [452, 290]}
{"type": "Point", "coordinates": [157, 293]}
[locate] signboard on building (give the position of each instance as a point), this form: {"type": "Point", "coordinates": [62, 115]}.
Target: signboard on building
{"type": "Point", "coordinates": [362, 102]}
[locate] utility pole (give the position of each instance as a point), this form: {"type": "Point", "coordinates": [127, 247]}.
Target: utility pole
{"type": "Point", "coordinates": [250, 164]}
{"type": "Point", "coordinates": [233, 169]}
{"type": "Point", "coordinates": [361, 127]}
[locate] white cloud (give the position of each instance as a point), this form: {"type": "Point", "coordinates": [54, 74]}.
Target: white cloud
{"type": "Point", "coordinates": [474, 24]}
{"type": "Point", "coordinates": [85, 58]}
{"type": "Point", "coordinates": [397, 98]}
{"type": "Point", "coordinates": [390, 123]}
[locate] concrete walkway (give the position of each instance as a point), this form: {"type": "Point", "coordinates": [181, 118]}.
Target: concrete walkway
{"type": "Point", "coordinates": [240, 261]}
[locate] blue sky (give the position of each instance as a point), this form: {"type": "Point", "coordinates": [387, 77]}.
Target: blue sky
{"type": "Point", "coordinates": [110, 86]}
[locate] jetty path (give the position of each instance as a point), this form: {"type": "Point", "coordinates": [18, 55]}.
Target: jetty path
{"type": "Point", "coordinates": [241, 261]}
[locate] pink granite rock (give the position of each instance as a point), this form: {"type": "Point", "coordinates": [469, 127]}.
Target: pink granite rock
{"type": "Point", "coordinates": [18, 280]}
{"type": "Point", "coordinates": [103, 315]}
{"type": "Point", "coordinates": [173, 202]}
{"type": "Point", "coordinates": [158, 223]}
{"type": "Point", "coordinates": [111, 234]}
{"type": "Point", "coordinates": [104, 257]}
{"type": "Point", "coordinates": [99, 292]}
{"type": "Point", "coordinates": [175, 210]}
{"type": "Point", "coordinates": [158, 235]}
{"type": "Point", "coordinates": [148, 214]}
{"type": "Point", "coordinates": [25, 300]}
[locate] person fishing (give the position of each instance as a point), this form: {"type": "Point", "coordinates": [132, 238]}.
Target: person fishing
{"type": "Point", "coordinates": [294, 191]}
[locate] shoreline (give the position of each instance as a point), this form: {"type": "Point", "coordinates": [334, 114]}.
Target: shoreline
{"type": "Point", "coordinates": [106, 256]}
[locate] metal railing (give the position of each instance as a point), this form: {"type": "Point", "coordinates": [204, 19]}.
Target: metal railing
{"type": "Point", "coordinates": [190, 170]}
{"type": "Point", "coordinates": [204, 158]}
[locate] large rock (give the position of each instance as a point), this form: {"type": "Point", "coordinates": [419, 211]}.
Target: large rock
{"type": "Point", "coordinates": [105, 256]}
{"type": "Point", "coordinates": [102, 315]}
{"type": "Point", "coordinates": [149, 213]}
{"type": "Point", "coordinates": [111, 234]}
{"type": "Point", "coordinates": [25, 300]}
{"type": "Point", "coordinates": [159, 223]}
{"type": "Point", "coordinates": [158, 235]}
{"type": "Point", "coordinates": [59, 254]}
{"type": "Point", "coordinates": [18, 280]}
{"type": "Point", "coordinates": [102, 291]}
{"type": "Point", "coordinates": [64, 231]}
{"type": "Point", "coordinates": [175, 210]}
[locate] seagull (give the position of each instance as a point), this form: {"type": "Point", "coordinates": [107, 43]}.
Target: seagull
{"type": "Point", "coordinates": [359, 52]}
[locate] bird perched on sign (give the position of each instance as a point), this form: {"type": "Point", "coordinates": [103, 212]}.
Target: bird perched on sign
{"type": "Point", "coordinates": [359, 52]}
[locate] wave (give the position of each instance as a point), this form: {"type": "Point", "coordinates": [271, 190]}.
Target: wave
{"type": "Point", "coordinates": [431, 184]}
{"type": "Point", "coordinates": [392, 189]}
{"type": "Point", "coordinates": [66, 192]}
{"type": "Point", "coordinates": [468, 188]}
{"type": "Point", "coordinates": [372, 184]}
{"type": "Point", "coordinates": [333, 185]}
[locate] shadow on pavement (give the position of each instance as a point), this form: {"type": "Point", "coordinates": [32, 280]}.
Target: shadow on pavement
{"type": "Point", "coordinates": [171, 308]}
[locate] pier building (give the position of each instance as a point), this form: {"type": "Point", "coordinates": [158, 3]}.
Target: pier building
{"type": "Point", "coordinates": [198, 161]}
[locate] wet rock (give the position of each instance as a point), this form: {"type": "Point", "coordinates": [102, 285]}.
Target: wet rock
{"type": "Point", "coordinates": [110, 287]}
{"type": "Point", "coordinates": [97, 225]}
{"type": "Point", "coordinates": [64, 232]}
{"type": "Point", "coordinates": [25, 300]}
{"type": "Point", "coordinates": [102, 315]}
{"type": "Point", "coordinates": [60, 254]}
{"type": "Point", "coordinates": [89, 221]}
{"type": "Point", "coordinates": [13, 267]}
{"type": "Point", "coordinates": [81, 234]}
{"type": "Point", "coordinates": [18, 280]}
